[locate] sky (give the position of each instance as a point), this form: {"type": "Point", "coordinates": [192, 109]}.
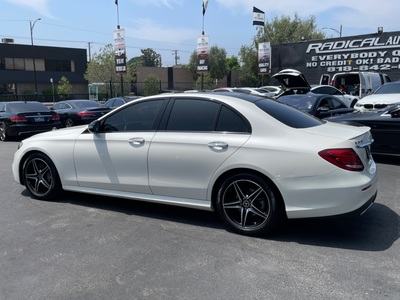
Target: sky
{"type": "Point", "coordinates": [171, 27]}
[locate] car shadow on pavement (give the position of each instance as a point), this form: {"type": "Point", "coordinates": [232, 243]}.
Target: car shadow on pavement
{"type": "Point", "coordinates": [376, 230]}
{"type": "Point", "coordinates": [387, 160]}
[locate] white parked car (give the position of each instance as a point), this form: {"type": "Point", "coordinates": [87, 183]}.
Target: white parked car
{"type": "Point", "coordinates": [294, 82]}
{"type": "Point", "coordinates": [388, 93]}
{"type": "Point", "coordinates": [252, 159]}
{"type": "Point", "coordinates": [347, 99]}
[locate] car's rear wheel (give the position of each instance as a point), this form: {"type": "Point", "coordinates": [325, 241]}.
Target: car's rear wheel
{"type": "Point", "coordinates": [247, 205]}
{"type": "Point", "coordinates": [68, 122]}
{"type": "Point", "coordinates": [41, 177]}
{"type": "Point", "coordinates": [3, 132]}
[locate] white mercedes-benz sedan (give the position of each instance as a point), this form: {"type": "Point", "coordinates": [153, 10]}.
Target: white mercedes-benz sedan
{"type": "Point", "coordinates": [252, 159]}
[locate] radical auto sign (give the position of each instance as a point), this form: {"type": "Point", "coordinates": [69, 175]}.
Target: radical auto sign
{"type": "Point", "coordinates": [374, 52]}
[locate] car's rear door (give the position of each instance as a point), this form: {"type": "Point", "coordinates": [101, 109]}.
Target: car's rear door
{"type": "Point", "coordinates": [196, 138]}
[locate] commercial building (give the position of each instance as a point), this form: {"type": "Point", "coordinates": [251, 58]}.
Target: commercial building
{"type": "Point", "coordinates": [27, 69]}
{"type": "Point", "coordinates": [377, 52]}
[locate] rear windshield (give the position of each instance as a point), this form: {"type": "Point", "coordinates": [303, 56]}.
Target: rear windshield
{"type": "Point", "coordinates": [84, 104]}
{"type": "Point", "coordinates": [26, 106]}
{"type": "Point", "coordinates": [288, 115]}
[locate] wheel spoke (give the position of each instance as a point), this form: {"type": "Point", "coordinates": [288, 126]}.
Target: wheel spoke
{"type": "Point", "coordinates": [238, 191]}
{"type": "Point", "coordinates": [258, 212]}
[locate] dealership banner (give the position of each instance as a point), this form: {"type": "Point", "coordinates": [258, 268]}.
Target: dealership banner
{"type": "Point", "coordinates": [203, 51]}
{"type": "Point", "coordinates": [120, 51]}
{"type": "Point", "coordinates": [264, 58]}
{"type": "Point", "coordinates": [378, 52]}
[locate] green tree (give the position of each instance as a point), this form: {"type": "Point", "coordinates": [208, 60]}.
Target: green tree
{"type": "Point", "coordinates": [101, 69]}
{"type": "Point", "coordinates": [64, 87]}
{"type": "Point", "coordinates": [217, 66]}
{"type": "Point", "coordinates": [150, 58]}
{"type": "Point", "coordinates": [233, 63]}
{"type": "Point", "coordinates": [151, 85]}
{"type": "Point", "coordinates": [248, 75]}
{"type": "Point", "coordinates": [280, 30]}
{"type": "Point", "coordinates": [192, 65]}
{"type": "Point", "coordinates": [288, 30]}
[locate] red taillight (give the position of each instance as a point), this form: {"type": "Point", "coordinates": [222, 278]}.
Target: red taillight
{"type": "Point", "coordinates": [55, 118]}
{"type": "Point", "coordinates": [343, 158]}
{"type": "Point", "coordinates": [17, 119]}
{"type": "Point", "coordinates": [85, 114]}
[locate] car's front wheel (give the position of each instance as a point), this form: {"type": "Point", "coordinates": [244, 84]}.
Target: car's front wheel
{"type": "Point", "coordinates": [247, 205]}
{"type": "Point", "coordinates": [41, 177]}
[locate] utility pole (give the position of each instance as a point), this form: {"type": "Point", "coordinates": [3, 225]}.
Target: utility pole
{"type": "Point", "coordinates": [89, 51]}
{"type": "Point", "coordinates": [176, 55]}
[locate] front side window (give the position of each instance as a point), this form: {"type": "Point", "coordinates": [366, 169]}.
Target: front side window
{"type": "Point", "coordinates": [140, 116]}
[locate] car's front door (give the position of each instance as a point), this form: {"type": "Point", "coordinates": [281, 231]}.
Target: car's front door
{"type": "Point", "coordinates": [116, 157]}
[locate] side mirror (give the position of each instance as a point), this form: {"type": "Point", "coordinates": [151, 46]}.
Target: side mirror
{"type": "Point", "coordinates": [94, 127]}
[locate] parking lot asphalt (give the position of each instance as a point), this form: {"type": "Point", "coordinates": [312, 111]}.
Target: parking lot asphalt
{"type": "Point", "coordinates": [91, 247]}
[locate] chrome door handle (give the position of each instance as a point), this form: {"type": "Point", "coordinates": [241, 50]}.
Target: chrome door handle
{"type": "Point", "coordinates": [136, 141]}
{"type": "Point", "coordinates": [218, 145]}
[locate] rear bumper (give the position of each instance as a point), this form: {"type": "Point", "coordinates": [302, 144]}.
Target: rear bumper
{"type": "Point", "coordinates": [23, 130]}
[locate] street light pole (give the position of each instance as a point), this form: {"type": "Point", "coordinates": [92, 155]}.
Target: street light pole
{"type": "Point", "coordinates": [339, 32]}
{"type": "Point", "coordinates": [31, 26]}
{"type": "Point", "coordinates": [52, 87]}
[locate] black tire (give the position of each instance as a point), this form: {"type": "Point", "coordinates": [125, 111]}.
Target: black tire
{"type": "Point", "coordinates": [68, 122]}
{"type": "Point", "coordinates": [3, 132]}
{"type": "Point", "coordinates": [40, 177]}
{"type": "Point", "coordinates": [247, 205]}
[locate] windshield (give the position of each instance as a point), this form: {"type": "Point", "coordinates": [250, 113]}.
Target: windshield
{"type": "Point", "coordinates": [389, 88]}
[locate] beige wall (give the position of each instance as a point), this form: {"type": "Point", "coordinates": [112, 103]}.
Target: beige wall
{"type": "Point", "coordinates": [182, 78]}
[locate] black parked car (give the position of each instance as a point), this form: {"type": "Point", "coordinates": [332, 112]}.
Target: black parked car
{"type": "Point", "coordinates": [318, 105]}
{"type": "Point", "coordinates": [385, 128]}
{"type": "Point", "coordinates": [20, 118]}
{"type": "Point", "coordinates": [118, 101]}
{"type": "Point", "coordinates": [78, 112]}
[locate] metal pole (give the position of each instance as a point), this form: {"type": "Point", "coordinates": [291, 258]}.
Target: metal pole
{"type": "Point", "coordinates": [52, 87]}
{"type": "Point", "coordinates": [31, 26]}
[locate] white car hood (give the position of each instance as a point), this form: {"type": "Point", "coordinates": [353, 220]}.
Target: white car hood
{"type": "Point", "coordinates": [380, 99]}
{"type": "Point", "coordinates": [72, 132]}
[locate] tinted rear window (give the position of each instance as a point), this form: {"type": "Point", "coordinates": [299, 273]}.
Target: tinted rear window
{"type": "Point", "coordinates": [83, 104]}
{"type": "Point", "coordinates": [26, 106]}
{"type": "Point", "coordinates": [288, 115]}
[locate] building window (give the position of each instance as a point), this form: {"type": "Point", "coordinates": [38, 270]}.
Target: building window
{"type": "Point", "coordinates": [53, 65]}
{"type": "Point", "coordinates": [19, 64]}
